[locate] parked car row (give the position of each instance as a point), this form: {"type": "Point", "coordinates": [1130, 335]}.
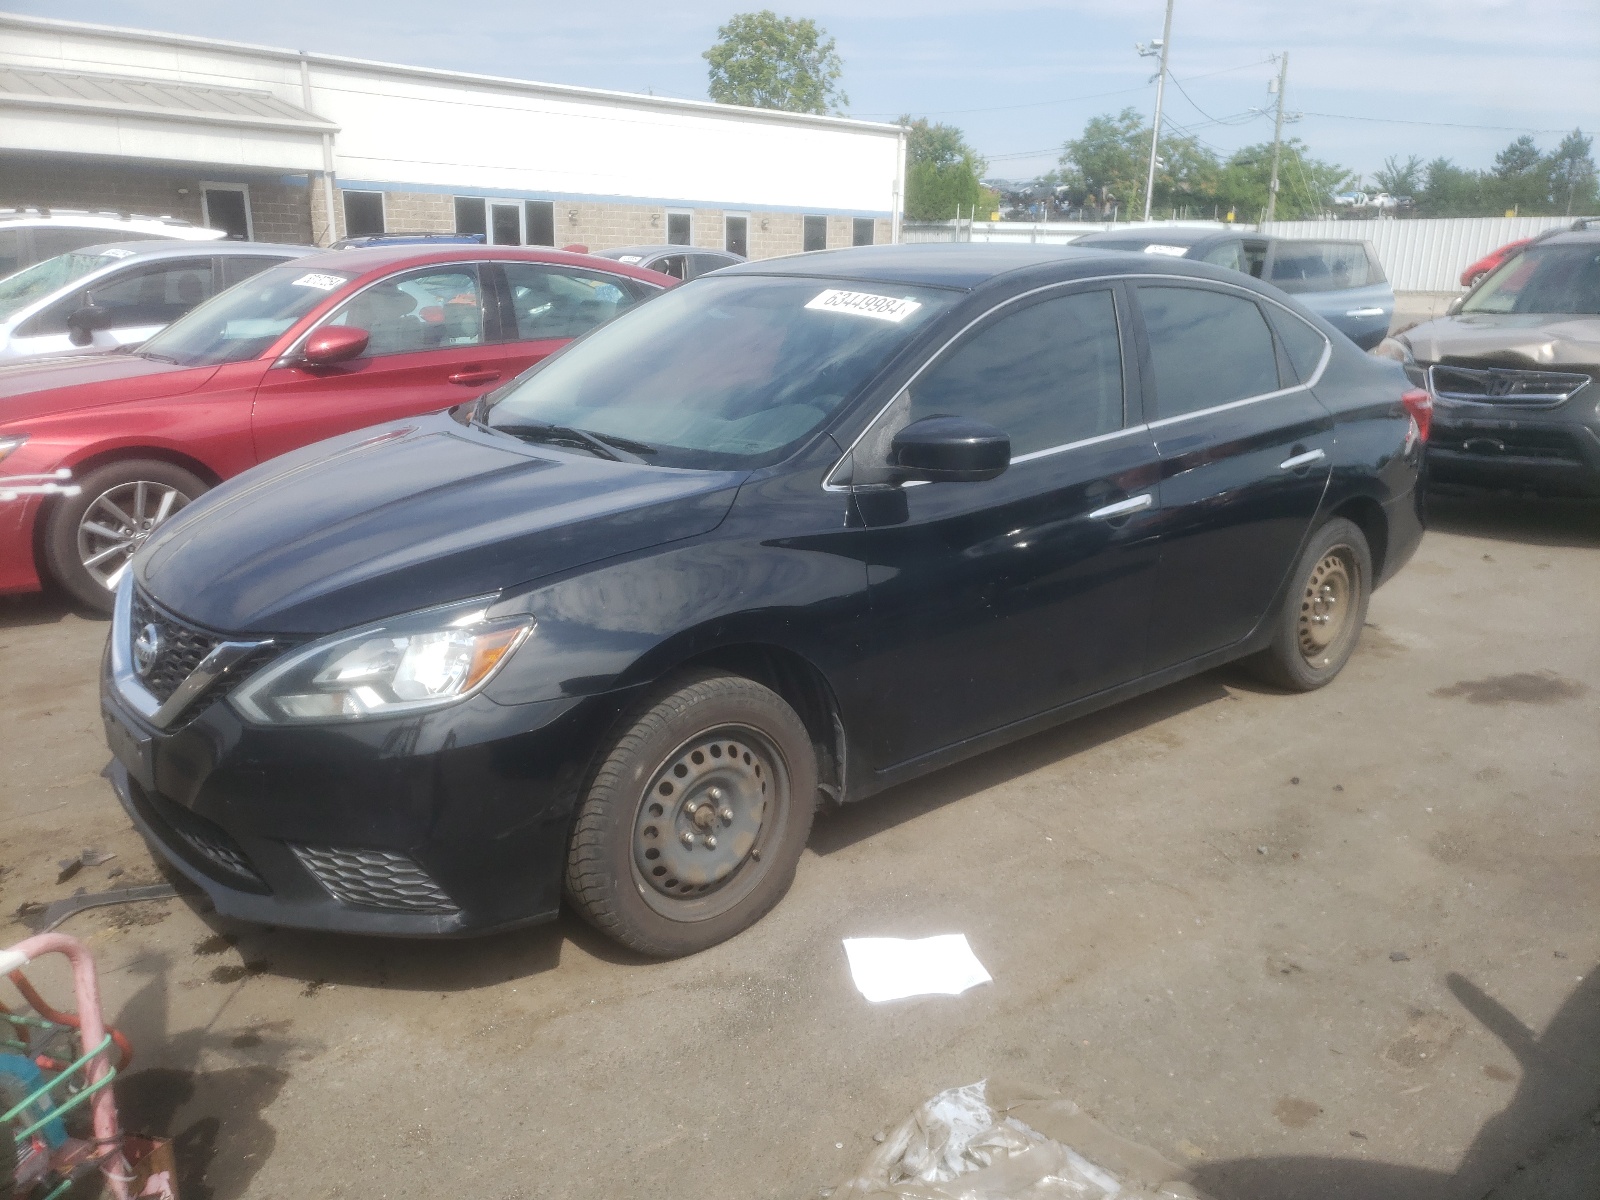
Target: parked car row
{"type": "Point", "coordinates": [796, 529]}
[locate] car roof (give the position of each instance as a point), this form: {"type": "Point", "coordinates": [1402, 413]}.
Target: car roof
{"type": "Point", "coordinates": [964, 265]}
{"type": "Point", "coordinates": [44, 218]}
{"type": "Point", "coordinates": [145, 251]}
{"type": "Point", "coordinates": [369, 260]}
{"type": "Point", "coordinates": [664, 248]}
{"type": "Point", "coordinates": [1571, 237]}
{"type": "Point", "coordinates": [1154, 235]}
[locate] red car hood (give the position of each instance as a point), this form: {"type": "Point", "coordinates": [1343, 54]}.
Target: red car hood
{"type": "Point", "coordinates": [57, 385]}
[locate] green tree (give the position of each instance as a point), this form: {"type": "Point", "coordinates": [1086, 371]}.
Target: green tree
{"type": "Point", "coordinates": [1305, 184]}
{"type": "Point", "coordinates": [1108, 160]}
{"type": "Point", "coordinates": [943, 173]}
{"type": "Point", "coordinates": [1451, 191]}
{"type": "Point", "coordinates": [1572, 174]}
{"type": "Point", "coordinates": [1400, 178]}
{"type": "Point", "coordinates": [762, 60]}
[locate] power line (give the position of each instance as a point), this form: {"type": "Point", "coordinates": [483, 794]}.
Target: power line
{"type": "Point", "coordinates": [1436, 124]}
{"type": "Point", "coordinates": [955, 112]}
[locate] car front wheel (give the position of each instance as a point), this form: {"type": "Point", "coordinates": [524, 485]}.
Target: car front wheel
{"type": "Point", "coordinates": [692, 825]}
{"type": "Point", "coordinates": [92, 537]}
{"type": "Point", "coordinates": [1324, 612]}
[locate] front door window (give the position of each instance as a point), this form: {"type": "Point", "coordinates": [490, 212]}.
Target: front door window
{"type": "Point", "coordinates": [427, 310]}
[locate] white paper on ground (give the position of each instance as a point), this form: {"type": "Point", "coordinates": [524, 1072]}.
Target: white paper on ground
{"type": "Point", "coordinates": [893, 968]}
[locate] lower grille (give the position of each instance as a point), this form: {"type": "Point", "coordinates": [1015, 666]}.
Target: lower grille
{"type": "Point", "coordinates": [207, 840]}
{"type": "Point", "coordinates": [374, 879]}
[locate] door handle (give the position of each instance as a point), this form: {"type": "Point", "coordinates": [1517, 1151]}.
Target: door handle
{"type": "Point", "coordinates": [1301, 460]}
{"type": "Point", "coordinates": [469, 377]}
{"type": "Point", "coordinates": [1365, 312]}
{"type": "Point", "coordinates": [1122, 508]}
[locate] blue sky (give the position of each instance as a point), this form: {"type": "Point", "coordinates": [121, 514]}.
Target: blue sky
{"type": "Point", "coordinates": [1372, 78]}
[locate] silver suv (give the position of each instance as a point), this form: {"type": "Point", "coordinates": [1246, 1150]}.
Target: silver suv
{"type": "Point", "coordinates": [102, 297]}
{"type": "Point", "coordinates": [30, 235]}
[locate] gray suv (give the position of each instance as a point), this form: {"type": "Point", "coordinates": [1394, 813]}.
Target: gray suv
{"type": "Point", "coordinates": [121, 293]}
{"type": "Point", "coordinates": [1512, 370]}
{"type": "Point", "coordinates": [1341, 281]}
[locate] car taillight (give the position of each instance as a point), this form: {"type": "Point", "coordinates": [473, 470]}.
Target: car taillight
{"type": "Point", "coordinates": [1420, 405]}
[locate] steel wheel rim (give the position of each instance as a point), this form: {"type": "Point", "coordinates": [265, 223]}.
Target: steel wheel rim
{"type": "Point", "coordinates": [713, 806]}
{"type": "Point", "coordinates": [1327, 606]}
{"type": "Point", "coordinates": [118, 521]}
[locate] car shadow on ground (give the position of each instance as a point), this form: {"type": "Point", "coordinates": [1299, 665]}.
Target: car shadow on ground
{"type": "Point", "coordinates": [1544, 1145]}
{"type": "Point", "coordinates": [838, 828]}
{"type": "Point", "coordinates": [1508, 517]}
{"type": "Point", "coordinates": [42, 608]}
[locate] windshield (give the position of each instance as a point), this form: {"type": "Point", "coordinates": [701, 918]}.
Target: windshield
{"type": "Point", "coordinates": [245, 320]}
{"type": "Point", "coordinates": [1543, 279]}
{"type": "Point", "coordinates": [32, 283]}
{"type": "Point", "coordinates": [724, 373]}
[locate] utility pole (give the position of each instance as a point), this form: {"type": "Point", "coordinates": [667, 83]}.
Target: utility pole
{"type": "Point", "coordinates": [1277, 138]}
{"type": "Point", "coordinates": [1161, 89]}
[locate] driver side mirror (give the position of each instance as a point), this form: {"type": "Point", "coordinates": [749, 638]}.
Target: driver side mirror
{"type": "Point", "coordinates": [82, 323]}
{"type": "Point", "coordinates": [334, 344]}
{"type": "Point", "coordinates": [1455, 306]}
{"type": "Point", "coordinates": [949, 450]}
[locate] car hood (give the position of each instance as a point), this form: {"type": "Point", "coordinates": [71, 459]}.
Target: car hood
{"type": "Point", "coordinates": [45, 386]}
{"type": "Point", "coordinates": [404, 517]}
{"type": "Point", "coordinates": [1538, 339]}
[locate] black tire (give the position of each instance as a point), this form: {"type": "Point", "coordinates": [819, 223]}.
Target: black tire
{"type": "Point", "coordinates": [70, 533]}
{"type": "Point", "coordinates": [691, 827]}
{"type": "Point", "coordinates": [1332, 580]}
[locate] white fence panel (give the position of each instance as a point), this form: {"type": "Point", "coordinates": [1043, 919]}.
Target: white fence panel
{"type": "Point", "coordinates": [1428, 254]}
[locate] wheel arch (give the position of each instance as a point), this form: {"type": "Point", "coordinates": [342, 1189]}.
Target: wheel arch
{"type": "Point", "coordinates": [1367, 515]}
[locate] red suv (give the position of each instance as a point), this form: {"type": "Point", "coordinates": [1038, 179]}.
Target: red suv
{"type": "Point", "coordinates": [300, 352]}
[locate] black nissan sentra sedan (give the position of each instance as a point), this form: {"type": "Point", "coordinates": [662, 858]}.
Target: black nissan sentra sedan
{"type": "Point", "coordinates": [786, 535]}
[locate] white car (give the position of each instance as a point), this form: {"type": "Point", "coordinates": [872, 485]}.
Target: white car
{"type": "Point", "coordinates": [101, 297]}
{"type": "Point", "coordinates": [30, 235]}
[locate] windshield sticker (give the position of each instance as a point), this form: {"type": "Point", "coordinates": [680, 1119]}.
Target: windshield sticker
{"type": "Point", "coordinates": [864, 304]}
{"type": "Point", "coordinates": [323, 283]}
{"type": "Point", "coordinates": [114, 252]}
{"type": "Point", "coordinates": [628, 258]}
{"type": "Point", "coordinates": [1174, 251]}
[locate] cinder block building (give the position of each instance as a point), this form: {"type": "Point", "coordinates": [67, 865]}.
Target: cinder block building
{"type": "Point", "coordinates": [281, 145]}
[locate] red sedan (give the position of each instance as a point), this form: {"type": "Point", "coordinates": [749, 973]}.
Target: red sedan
{"type": "Point", "coordinates": [300, 352]}
{"type": "Point", "coordinates": [1490, 261]}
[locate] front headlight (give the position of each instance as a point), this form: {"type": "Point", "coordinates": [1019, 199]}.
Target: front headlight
{"type": "Point", "coordinates": [404, 665]}
{"type": "Point", "coordinates": [1396, 348]}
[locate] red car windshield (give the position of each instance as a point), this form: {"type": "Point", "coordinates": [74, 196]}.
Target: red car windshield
{"type": "Point", "coordinates": [245, 320]}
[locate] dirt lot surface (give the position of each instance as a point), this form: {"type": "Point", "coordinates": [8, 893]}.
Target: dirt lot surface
{"type": "Point", "coordinates": [1339, 945]}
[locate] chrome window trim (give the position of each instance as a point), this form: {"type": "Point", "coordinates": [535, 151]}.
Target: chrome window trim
{"type": "Point", "coordinates": [1176, 280]}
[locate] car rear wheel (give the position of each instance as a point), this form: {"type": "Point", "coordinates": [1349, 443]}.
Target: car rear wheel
{"type": "Point", "coordinates": [1326, 608]}
{"type": "Point", "coordinates": [92, 537]}
{"type": "Point", "coordinates": [692, 825]}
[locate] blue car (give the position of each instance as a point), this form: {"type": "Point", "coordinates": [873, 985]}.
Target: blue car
{"type": "Point", "coordinates": [1341, 281]}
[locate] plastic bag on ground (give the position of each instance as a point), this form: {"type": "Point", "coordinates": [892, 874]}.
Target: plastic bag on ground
{"type": "Point", "coordinates": [998, 1141]}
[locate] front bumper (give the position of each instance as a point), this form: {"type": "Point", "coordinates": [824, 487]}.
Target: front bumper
{"type": "Point", "coordinates": [1557, 457]}
{"type": "Point", "coordinates": [450, 823]}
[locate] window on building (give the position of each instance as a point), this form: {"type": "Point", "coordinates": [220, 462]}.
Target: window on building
{"type": "Point", "coordinates": [816, 233]}
{"type": "Point", "coordinates": [363, 214]}
{"type": "Point", "coordinates": [680, 230]}
{"type": "Point", "coordinates": [470, 215]}
{"type": "Point", "coordinates": [863, 231]}
{"type": "Point", "coordinates": [227, 207]}
{"type": "Point", "coordinates": [505, 223]}
{"type": "Point", "coordinates": [541, 217]}
{"type": "Point", "coordinates": [736, 236]}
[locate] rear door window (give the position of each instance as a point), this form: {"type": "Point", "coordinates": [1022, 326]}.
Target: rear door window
{"type": "Point", "coordinates": [1207, 348]}
{"type": "Point", "coordinates": [1048, 374]}
{"type": "Point", "coordinates": [236, 268]}
{"type": "Point", "coordinates": [1320, 266]}
{"type": "Point", "coordinates": [432, 309]}
{"type": "Point", "coordinates": [154, 295]}
{"type": "Point", "coordinates": [561, 302]}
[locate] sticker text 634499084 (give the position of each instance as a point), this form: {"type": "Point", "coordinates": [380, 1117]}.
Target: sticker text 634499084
{"type": "Point", "coordinates": [323, 283]}
{"type": "Point", "coordinates": [864, 304]}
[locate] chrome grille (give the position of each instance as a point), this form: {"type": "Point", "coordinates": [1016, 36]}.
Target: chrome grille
{"type": "Point", "coordinates": [1501, 386]}
{"type": "Point", "coordinates": [374, 879]}
{"type": "Point", "coordinates": [182, 646]}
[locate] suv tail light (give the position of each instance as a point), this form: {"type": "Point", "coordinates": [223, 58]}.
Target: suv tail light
{"type": "Point", "coordinates": [1420, 405]}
